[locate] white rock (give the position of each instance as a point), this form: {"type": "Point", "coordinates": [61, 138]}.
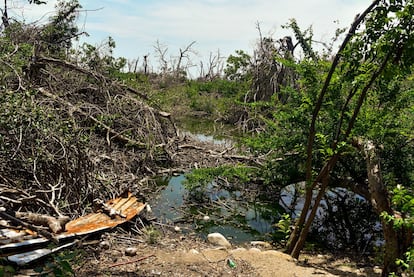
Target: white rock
{"type": "Point", "coordinates": [131, 251]}
{"type": "Point", "coordinates": [177, 229]}
{"type": "Point", "coordinates": [218, 239]}
{"type": "Point", "coordinates": [155, 272]}
{"type": "Point", "coordinates": [104, 244]}
{"type": "Point", "coordinates": [206, 218]}
{"type": "Point", "coordinates": [261, 243]}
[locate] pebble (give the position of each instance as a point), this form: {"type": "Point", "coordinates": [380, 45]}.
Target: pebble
{"type": "Point", "coordinates": [116, 253]}
{"type": "Point", "coordinates": [261, 243]}
{"type": "Point", "coordinates": [206, 218]}
{"type": "Point", "coordinates": [131, 251]}
{"type": "Point", "coordinates": [155, 272]}
{"type": "Point", "coordinates": [218, 239]}
{"type": "Point", "coordinates": [177, 229]}
{"type": "Point", "coordinates": [104, 244]}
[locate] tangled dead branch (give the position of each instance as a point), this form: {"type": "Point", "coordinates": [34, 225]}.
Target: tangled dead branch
{"type": "Point", "coordinates": [69, 134]}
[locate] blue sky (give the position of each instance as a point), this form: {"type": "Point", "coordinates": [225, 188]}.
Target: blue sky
{"type": "Point", "coordinates": [226, 25]}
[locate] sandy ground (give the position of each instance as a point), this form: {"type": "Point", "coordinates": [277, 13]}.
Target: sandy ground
{"type": "Point", "coordinates": [179, 255]}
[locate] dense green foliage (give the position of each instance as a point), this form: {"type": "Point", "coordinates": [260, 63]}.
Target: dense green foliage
{"type": "Point", "coordinates": [363, 95]}
{"type": "Point", "coordinates": [403, 200]}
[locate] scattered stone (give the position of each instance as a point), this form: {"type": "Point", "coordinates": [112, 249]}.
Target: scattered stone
{"type": "Point", "coordinates": [177, 229]}
{"type": "Point", "coordinates": [105, 244]}
{"type": "Point", "coordinates": [148, 208]}
{"type": "Point", "coordinates": [206, 218]}
{"type": "Point", "coordinates": [377, 269]}
{"type": "Point", "coordinates": [218, 239]}
{"type": "Point", "coordinates": [131, 251]}
{"type": "Point", "coordinates": [263, 244]}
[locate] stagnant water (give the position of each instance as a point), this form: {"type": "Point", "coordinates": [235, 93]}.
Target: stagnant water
{"type": "Point", "coordinates": [242, 218]}
{"type": "Point", "coordinates": [227, 212]}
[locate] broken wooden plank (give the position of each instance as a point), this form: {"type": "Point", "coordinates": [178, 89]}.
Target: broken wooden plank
{"type": "Point", "coordinates": [123, 209]}
{"type": "Point", "coordinates": [31, 256]}
{"type": "Point", "coordinates": [128, 207]}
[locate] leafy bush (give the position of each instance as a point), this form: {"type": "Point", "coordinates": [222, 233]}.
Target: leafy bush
{"type": "Point", "coordinates": [403, 201]}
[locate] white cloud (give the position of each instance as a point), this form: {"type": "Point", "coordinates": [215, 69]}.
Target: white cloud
{"type": "Point", "coordinates": [215, 24]}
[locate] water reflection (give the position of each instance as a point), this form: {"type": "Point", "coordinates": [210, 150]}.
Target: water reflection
{"type": "Point", "coordinates": [345, 219]}
{"type": "Point", "coordinates": [238, 220]}
{"type": "Point", "coordinates": [171, 199]}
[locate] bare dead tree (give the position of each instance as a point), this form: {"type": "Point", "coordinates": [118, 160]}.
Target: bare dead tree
{"type": "Point", "coordinates": [184, 55]}
{"type": "Point", "coordinates": [161, 52]}
{"type": "Point", "coordinates": [270, 76]}
{"type": "Point", "coordinates": [4, 16]}
{"type": "Point", "coordinates": [145, 64]}
{"type": "Point", "coordinates": [201, 71]}
{"type": "Point", "coordinates": [132, 65]}
{"type": "Point", "coordinates": [215, 66]}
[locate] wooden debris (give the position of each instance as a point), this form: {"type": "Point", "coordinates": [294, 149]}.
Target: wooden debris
{"type": "Point", "coordinates": [27, 257]}
{"type": "Point", "coordinates": [102, 206]}
{"type": "Point", "coordinates": [56, 225]}
{"type": "Point", "coordinates": [123, 209]}
{"type": "Point", "coordinates": [128, 206]}
{"type": "Point", "coordinates": [40, 231]}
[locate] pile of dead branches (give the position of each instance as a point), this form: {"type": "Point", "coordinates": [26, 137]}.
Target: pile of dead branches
{"type": "Point", "coordinates": [69, 134]}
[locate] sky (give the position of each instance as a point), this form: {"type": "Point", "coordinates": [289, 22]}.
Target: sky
{"type": "Point", "coordinates": [215, 25]}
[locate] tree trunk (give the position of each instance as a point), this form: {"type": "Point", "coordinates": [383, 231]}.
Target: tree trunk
{"type": "Point", "coordinates": [304, 232]}
{"type": "Point", "coordinates": [396, 241]}
{"type": "Point", "coordinates": [298, 237]}
{"type": "Point", "coordinates": [294, 236]}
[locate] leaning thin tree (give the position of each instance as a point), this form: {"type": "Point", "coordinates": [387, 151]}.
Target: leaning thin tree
{"type": "Point", "coordinates": [387, 36]}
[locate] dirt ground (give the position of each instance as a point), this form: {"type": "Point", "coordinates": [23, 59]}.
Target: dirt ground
{"type": "Point", "coordinates": [176, 254]}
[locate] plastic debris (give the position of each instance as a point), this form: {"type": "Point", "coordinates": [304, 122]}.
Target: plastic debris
{"type": "Point", "coordinates": [231, 263]}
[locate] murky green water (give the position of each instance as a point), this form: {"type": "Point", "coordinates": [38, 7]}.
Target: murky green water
{"type": "Point", "coordinates": [228, 212]}
{"type": "Point", "coordinates": [242, 218]}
